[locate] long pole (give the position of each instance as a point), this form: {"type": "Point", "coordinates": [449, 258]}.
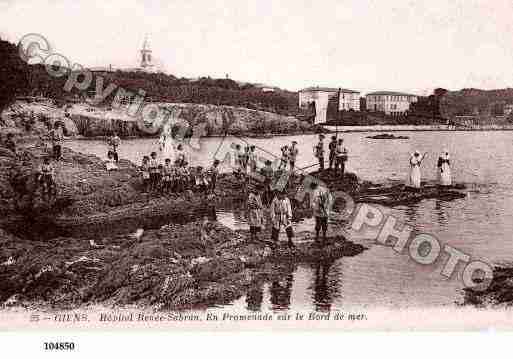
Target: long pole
{"type": "Point", "coordinates": [338, 114]}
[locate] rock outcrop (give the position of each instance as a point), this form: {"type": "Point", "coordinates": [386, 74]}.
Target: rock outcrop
{"type": "Point", "coordinates": [209, 120]}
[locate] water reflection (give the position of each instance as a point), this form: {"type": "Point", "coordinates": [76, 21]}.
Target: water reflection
{"type": "Point", "coordinates": [326, 284]}
{"type": "Point", "coordinates": [411, 214]}
{"type": "Point", "coordinates": [280, 288]}
{"type": "Point", "coordinates": [480, 225]}
{"type": "Point", "coordinates": [255, 297]}
{"type": "Point", "coordinates": [441, 212]}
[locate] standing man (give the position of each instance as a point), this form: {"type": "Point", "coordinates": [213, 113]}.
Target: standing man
{"type": "Point", "coordinates": [293, 152]}
{"type": "Point", "coordinates": [341, 157]}
{"type": "Point", "coordinates": [213, 172]}
{"type": "Point", "coordinates": [57, 137]}
{"type": "Point", "coordinates": [319, 152]}
{"type": "Point", "coordinates": [114, 142]}
{"type": "Point", "coordinates": [320, 204]}
{"type": "Point", "coordinates": [268, 173]}
{"type": "Point", "coordinates": [281, 216]}
{"type": "Point", "coordinates": [333, 150]}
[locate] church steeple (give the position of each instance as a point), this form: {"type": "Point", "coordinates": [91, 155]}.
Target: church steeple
{"type": "Point", "coordinates": [146, 56]}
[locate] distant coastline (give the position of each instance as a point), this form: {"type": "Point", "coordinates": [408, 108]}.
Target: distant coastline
{"type": "Point", "coordinates": [404, 128]}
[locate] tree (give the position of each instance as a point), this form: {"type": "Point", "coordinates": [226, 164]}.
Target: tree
{"type": "Point", "coordinates": [13, 74]}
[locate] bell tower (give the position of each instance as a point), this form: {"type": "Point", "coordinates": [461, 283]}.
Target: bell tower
{"type": "Point", "coordinates": [146, 56]}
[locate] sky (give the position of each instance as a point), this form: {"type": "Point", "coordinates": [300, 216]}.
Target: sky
{"type": "Point", "coordinates": [365, 45]}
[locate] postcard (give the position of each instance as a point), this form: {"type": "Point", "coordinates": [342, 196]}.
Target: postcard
{"type": "Point", "coordinates": [255, 165]}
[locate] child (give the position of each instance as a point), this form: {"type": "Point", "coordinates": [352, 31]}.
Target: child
{"type": "Point", "coordinates": [293, 152]}
{"type": "Point", "coordinates": [183, 176]}
{"type": "Point", "coordinates": [154, 171]}
{"type": "Point", "coordinates": [252, 159]}
{"type": "Point", "coordinates": [201, 180]}
{"type": "Point", "coordinates": [237, 156]}
{"type": "Point", "coordinates": [167, 176]}
{"type": "Point", "coordinates": [114, 142]}
{"type": "Point", "coordinates": [319, 152]}
{"type": "Point", "coordinates": [46, 177]}
{"type": "Point", "coordinates": [111, 162]}
{"type": "Point", "coordinates": [57, 138]}
{"type": "Point", "coordinates": [213, 172]}
{"type": "Point", "coordinates": [145, 169]}
{"type": "Point", "coordinates": [284, 158]}
{"type": "Point", "coordinates": [191, 178]}
{"type": "Point", "coordinates": [255, 212]}
{"type": "Point", "coordinates": [268, 174]}
{"type": "Point", "coordinates": [160, 182]}
{"type": "Point", "coordinates": [245, 159]}
{"type": "Point", "coordinates": [181, 157]}
{"type": "Point", "coordinates": [281, 217]}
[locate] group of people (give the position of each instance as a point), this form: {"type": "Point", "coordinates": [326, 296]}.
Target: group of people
{"type": "Point", "coordinates": [177, 177]}
{"type": "Point", "coordinates": [246, 159]}
{"type": "Point", "coordinates": [45, 175]}
{"type": "Point", "coordinates": [443, 167]}
{"type": "Point", "coordinates": [280, 213]}
{"type": "Point", "coordinates": [169, 170]}
{"type": "Point", "coordinates": [337, 154]}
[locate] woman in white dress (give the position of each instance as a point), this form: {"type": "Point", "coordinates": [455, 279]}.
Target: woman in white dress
{"type": "Point", "coordinates": [444, 169]}
{"type": "Point", "coordinates": [415, 162]}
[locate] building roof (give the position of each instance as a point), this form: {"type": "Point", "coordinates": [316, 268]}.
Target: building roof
{"type": "Point", "coordinates": [326, 89]}
{"type": "Point", "coordinates": [390, 93]}
{"type": "Point", "coordinates": [102, 69]}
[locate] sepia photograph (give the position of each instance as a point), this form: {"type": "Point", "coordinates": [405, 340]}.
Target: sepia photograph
{"type": "Point", "coordinates": [238, 165]}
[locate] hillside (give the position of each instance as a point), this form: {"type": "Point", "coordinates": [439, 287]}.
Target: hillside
{"type": "Point", "coordinates": [17, 78]}
{"type": "Point", "coordinates": [476, 102]}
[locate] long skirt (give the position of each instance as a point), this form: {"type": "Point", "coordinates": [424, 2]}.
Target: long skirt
{"type": "Point", "coordinates": [445, 175]}
{"type": "Point", "coordinates": [415, 176]}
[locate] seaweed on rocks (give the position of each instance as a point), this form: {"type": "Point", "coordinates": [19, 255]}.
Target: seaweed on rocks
{"type": "Point", "coordinates": [499, 292]}
{"type": "Point", "coordinates": [176, 266]}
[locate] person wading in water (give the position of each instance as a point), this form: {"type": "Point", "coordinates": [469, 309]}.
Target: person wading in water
{"type": "Point", "coordinates": [255, 212]}
{"type": "Point", "coordinates": [281, 216]}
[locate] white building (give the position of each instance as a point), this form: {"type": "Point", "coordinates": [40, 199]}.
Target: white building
{"type": "Point", "coordinates": [349, 99]}
{"type": "Point", "coordinates": [391, 103]}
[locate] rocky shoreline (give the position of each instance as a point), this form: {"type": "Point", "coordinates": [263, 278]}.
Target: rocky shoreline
{"type": "Point", "coordinates": [498, 293]}
{"type": "Point", "coordinates": [90, 258]}
{"type": "Point", "coordinates": [81, 120]}
{"type": "Point", "coordinates": [88, 246]}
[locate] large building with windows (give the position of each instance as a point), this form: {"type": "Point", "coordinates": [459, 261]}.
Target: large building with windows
{"type": "Point", "coordinates": [349, 99]}
{"type": "Point", "coordinates": [389, 102]}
